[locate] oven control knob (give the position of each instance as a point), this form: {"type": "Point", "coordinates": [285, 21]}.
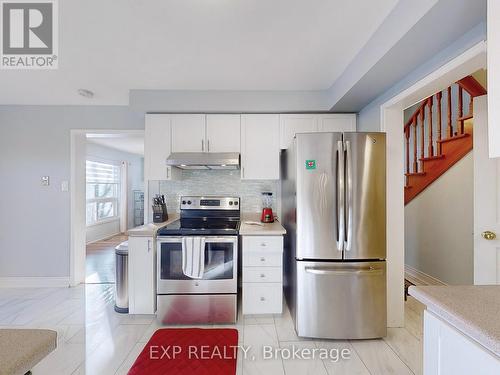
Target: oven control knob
{"type": "Point", "coordinates": [189, 202]}
{"type": "Point", "coordinates": [235, 203]}
{"type": "Point", "coordinates": [183, 202]}
{"type": "Point", "coordinates": [230, 203]}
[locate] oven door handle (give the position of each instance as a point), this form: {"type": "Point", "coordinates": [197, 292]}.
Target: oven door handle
{"type": "Point", "coordinates": [208, 239]}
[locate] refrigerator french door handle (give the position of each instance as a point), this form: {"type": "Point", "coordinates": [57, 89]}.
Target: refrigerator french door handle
{"type": "Point", "coordinates": [348, 244]}
{"type": "Point", "coordinates": [340, 196]}
{"type": "Point", "coordinates": [360, 271]}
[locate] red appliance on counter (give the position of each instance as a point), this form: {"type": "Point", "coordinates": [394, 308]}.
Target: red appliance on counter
{"type": "Point", "coordinates": [267, 210]}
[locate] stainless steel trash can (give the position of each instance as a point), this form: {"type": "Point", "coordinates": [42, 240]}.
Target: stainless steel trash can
{"type": "Point", "coordinates": [121, 293]}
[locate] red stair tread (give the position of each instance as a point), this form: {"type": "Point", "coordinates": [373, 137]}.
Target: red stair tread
{"type": "Point", "coordinates": [415, 174]}
{"type": "Point", "coordinates": [430, 158]}
{"type": "Point", "coordinates": [455, 137]}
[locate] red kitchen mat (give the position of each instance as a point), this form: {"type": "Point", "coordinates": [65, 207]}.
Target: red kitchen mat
{"type": "Point", "coordinates": [188, 351]}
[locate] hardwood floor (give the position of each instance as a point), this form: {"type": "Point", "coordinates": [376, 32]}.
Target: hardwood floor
{"type": "Point", "coordinates": [100, 261]}
{"type": "Point", "coordinates": [93, 339]}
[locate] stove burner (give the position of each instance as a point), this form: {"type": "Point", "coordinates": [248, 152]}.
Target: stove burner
{"type": "Point", "coordinates": [205, 216]}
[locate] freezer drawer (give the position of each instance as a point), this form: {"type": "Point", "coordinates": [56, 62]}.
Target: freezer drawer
{"type": "Point", "coordinates": [341, 300]}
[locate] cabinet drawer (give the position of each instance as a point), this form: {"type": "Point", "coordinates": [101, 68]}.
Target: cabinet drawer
{"type": "Point", "coordinates": [268, 243]}
{"type": "Point", "coordinates": [261, 259]}
{"type": "Point", "coordinates": [262, 274]}
{"type": "Point", "coordinates": [262, 298]}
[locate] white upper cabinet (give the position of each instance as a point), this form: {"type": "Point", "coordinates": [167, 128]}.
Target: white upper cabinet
{"type": "Point", "coordinates": [291, 124]}
{"type": "Point", "coordinates": [296, 123]}
{"type": "Point", "coordinates": [260, 147]}
{"type": "Point", "coordinates": [337, 122]}
{"type": "Point", "coordinates": [205, 133]}
{"type": "Point", "coordinates": [223, 133]}
{"type": "Point", "coordinates": [188, 133]}
{"type": "Point", "coordinates": [157, 141]}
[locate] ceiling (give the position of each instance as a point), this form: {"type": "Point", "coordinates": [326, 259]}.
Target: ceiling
{"type": "Point", "coordinates": [420, 44]}
{"type": "Point", "coordinates": [133, 143]}
{"type": "Point", "coordinates": [111, 48]}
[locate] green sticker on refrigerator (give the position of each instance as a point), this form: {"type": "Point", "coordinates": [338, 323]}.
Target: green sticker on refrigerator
{"type": "Point", "coordinates": [310, 164]}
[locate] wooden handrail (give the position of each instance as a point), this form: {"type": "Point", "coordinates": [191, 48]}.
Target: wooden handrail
{"type": "Point", "coordinates": [472, 86]}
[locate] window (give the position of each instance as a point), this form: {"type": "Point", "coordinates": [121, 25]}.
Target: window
{"type": "Point", "coordinates": [103, 189]}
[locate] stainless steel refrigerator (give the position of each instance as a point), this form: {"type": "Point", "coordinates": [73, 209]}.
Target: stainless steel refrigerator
{"type": "Point", "coordinates": [334, 210]}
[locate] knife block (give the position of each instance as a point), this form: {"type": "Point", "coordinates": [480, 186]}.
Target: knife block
{"type": "Point", "coordinates": [160, 213]}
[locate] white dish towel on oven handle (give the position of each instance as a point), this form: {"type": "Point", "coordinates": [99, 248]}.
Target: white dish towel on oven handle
{"type": "Point", "coordinates": [193, 256]}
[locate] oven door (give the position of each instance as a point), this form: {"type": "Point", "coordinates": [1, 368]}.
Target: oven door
{"type": "Point", "coordinates": [220, 273]}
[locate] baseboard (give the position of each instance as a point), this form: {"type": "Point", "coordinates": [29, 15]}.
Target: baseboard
{"type": "Point", "coordinates": [34, 282]}
{"type": "Point", "coordinates": [420, 278]}
{"type": "Point", "coordinates": [107, 237]}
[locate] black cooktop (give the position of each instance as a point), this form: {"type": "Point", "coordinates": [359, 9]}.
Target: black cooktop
{"type": "Point", "coordinates": [201, 226]}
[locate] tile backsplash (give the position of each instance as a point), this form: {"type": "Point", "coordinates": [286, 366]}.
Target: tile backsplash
{"type": "Point", "coordinates": [216, 182]}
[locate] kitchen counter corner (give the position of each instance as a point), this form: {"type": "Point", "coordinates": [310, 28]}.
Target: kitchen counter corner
{"type": "Point", "coordinates": [473, 310]}
{"type": "Point", "coordinates": [149, 230]}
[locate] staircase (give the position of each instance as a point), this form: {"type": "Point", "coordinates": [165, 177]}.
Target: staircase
{"type": "Point", "coordinates": [432, 145]}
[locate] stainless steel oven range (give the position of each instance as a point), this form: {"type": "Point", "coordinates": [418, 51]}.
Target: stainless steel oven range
{"type": "Point", "coordinates": [204, 241]}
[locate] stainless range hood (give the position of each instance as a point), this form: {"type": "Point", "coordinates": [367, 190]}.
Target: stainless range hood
{"type": "Point", "coordinates": [204, 160]}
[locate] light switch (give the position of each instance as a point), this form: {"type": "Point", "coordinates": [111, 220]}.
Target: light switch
{"type": "Point", "coordinates": [65, 185]}
{"type": "Point", "coordinates": [45, 181]}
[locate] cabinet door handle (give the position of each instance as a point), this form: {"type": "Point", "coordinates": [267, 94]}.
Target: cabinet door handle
{"type": "Point", "coordinates": [263, 244]}
{"type": "Point", "coordinates": [262, 299]}
{"type": "Point", "coordinates": [168, 173]}
{"type": "Point", "coordinates": [262, 275]}
{"type": "Point", "coordinates": [243, 171]}
{"type": "Point", "coordinates": [202, 145]}
{"type": "Point", "coordinates": [149, 246]}
{"type": "Point", "coordinates": [262, 259]}
{"type": "Point", "coordinates": [208, 145]}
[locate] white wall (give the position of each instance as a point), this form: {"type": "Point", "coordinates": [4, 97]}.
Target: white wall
{"type": "Point", "coordinates": [135, 182]}
{"type": "Point", "coordinates": [102, 231]}
{"type": "Point", "coordinates": [35, 220]}
{"type": "Point", "coordinates": [228, 101]}
{"type": "Point", "coordinates": [439, 225]}
{"type": "Point", "coordinates": [369, 116]}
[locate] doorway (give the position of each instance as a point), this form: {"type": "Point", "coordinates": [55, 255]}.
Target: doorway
{"type": "Point", "coordinates": [439, 184]}
{"type": "Point", "coordinates": [114, 185]}
{"type": "Point", "coordinates": [106, 199]}
{"type": "Point", "coordinates": [392, 116]}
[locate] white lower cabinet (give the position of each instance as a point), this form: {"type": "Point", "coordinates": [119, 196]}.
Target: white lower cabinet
{"type": "Point", "coordinates": [141, 275]}
{"type": "Point", "coordinates": [449, 351]}
{"type": "Point", "coordinates": [262, 274]}
{"type": "Point", "coordinates": [262, 298]}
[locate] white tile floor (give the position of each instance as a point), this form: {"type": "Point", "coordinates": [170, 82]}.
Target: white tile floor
{"type": "Point", "coordinates": [94, 339]}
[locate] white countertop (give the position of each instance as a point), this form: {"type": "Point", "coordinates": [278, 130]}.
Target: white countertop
{"type": "Point", "coordinates": [267, 229]}
{"type": "Point", "coordinates": [474, 310]}
{"type": "Point", "coordinates": [149, 230]}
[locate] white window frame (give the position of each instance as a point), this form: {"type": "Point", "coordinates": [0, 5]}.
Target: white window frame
{"type": "Point", "coordinates": [114, 200]}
